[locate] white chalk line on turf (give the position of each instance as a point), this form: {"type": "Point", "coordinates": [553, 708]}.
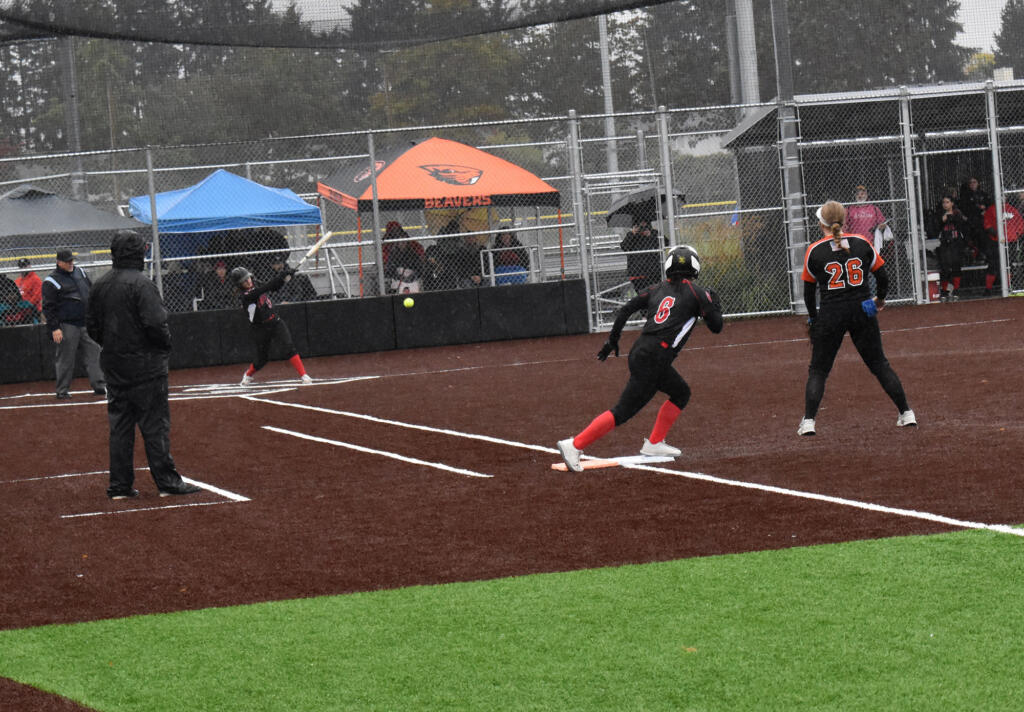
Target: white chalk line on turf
{"type": "Point", "coordinates": [1001, 528]}
{"type": "Point", "coordinates": [383, 453]}
{"type": "Point", "coordinates": [170, 397]}
{"type": "Point", "coordinates": [62, 476]}
{"type": "Point", "coordinates": [226, 494]}
{"type": "Point", "coordinates": [143, 509]}
{"type": "Point", "coordinates": [400, 424]}
{"type": "Point", "coordinates": [769, 342]}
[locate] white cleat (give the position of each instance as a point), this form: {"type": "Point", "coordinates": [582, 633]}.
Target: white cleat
{"type": "Point", "coordinates": [662, 449]}
{"type": "Point", "coordinates": [306, 380]}
{"type": "Point", "coordinates": [570, 454]}
{"type": "Point", "coordinates": [806, 427]}
{"type": "Point", "coordinates": [246, 380]}
{"type": "Point", "coordinates": [906, 418]}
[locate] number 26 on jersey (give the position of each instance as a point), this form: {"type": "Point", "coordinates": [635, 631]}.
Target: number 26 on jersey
{"type": "Point", "coordinates": [848, 274]}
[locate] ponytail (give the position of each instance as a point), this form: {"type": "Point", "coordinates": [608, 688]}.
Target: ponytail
{"type": "Point", "coordinates": [832, 215]}
{"type": "Point", "coordinates": [837, 237]}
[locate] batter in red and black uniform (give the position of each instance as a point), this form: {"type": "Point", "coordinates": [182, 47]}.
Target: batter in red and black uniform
{"type": "Point", "coordinates": [266, 326]}
{"type": "Point", "coordinates": [673, 306]}
{"type": "Point", "coordinates": [836, 267]}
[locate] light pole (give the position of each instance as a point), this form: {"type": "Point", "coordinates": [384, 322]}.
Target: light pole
{"type": "Point", "coordinates": [71, 119]}
{"type": "Point", "coordinates": [609, 110]}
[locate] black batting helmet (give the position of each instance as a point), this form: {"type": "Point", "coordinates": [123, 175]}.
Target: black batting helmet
{"type": "Point", "coordinates": [239, 275]}
{"type": "Point", "coordinates": [682, 261]}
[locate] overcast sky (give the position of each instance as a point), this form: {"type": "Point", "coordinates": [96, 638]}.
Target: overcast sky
{"type": "Point", "coordinates": [980, 18]}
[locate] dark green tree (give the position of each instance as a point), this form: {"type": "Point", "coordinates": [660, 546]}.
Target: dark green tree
{"type": "Point", "coordinates": [672, 55]}
{"type": "Point", "coordinates": [456, 81]}
{"type": "Point", "coordinates": [1009, 43]}
{"type": "Point", "coordinates": [841, 46]}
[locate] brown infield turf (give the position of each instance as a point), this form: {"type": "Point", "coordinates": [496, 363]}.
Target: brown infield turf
{"type": "Point", "coordinates": [321, 518]}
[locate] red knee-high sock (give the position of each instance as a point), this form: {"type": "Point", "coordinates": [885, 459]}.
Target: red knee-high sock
{"type": "Point", "coordinates": [296, 362]}
{"type": "Point", "coordinates": [956, 283]}
{"type": "Point", "coordinates": [251, 370]}
{"type": "Point", "coordinates": [944, 285]}
{"type": "Point", "coordinates": [666, 416]}
{"type": "Point", "coordinates": [598, 428]}
{"type": "Point", "coordinates": [990, 279]}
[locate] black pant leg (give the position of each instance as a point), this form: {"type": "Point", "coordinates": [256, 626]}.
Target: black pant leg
{"type": "Point", "coordinates": [262, 335]}
{"type": "Point", "coordinates": [826, 338]}
{"type": "Point", "coordinates": [991, 251]}
{"type": "Point", "coordinates": [867, 338]}
{"type": "Point", "coordinates": [644, 375]}
{"type": "Point", "coordinates": [155, 426]}
{"type": "Point", "coordinates": [121, 415]}
{"type": "Point", "coordinates": [675, 387]}
{"type": "Point", "coordinates": [284, 336]}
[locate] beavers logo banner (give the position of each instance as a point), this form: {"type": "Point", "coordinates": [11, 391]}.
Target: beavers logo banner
{"type": "Point", "coordinates": [365, 174]}
{"type": "Point", "coordinates": [456, 201]}
{"type": "Point", "coordinates": [454, 175]}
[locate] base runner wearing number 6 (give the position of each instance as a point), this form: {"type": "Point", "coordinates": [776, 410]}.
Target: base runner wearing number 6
{"type": "Point", "coordinates": [836, 268]}
{"type": "Point", "coordinates": [673, 308]}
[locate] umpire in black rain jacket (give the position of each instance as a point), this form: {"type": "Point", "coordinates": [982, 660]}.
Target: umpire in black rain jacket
{"type": "Point", "coordinates": [127, 318]}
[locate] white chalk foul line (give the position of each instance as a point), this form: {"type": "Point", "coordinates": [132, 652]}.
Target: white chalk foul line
{"type": "Point", "coordinates": [410, 426]}
{"type": "Point", "coordinates": [142, 509]}
{"type": "Point", "coordinates": [1002, 528]}
{"type": "Point", "coordinates": [382, 453]}
{"type": "Point", "coordinates": [227, 494]}
{"type": "Point", "coordinates": [233, 496]}
{"type": "Point", "coordinates": [171, 397]}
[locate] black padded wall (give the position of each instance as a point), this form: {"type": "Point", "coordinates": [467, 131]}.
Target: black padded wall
{"type": "Point", "coordinates": [22, 358]}
{"type": "Point", "coordinates": [195, 339]}
{"type": "Point", "coordinates": [349, 326]}
{"type": "Point", "coordinates": [438, 319]}
{"type": "Point", "coordinates": [324, 328]}
{"type": "Point", "coordinates": [521, 311]}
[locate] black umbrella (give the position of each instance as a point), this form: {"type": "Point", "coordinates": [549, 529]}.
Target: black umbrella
{"type": "Point", "coordinates": [640, 204]}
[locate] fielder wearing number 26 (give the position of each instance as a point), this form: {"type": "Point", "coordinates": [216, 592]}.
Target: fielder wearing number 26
{"type": "Point", "coordinates": [836, 268]}
{"type": "Point", "coordinates": [674, 306]}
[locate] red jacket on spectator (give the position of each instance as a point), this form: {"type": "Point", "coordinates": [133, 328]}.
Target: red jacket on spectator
{"type": "Point", "coordinates": [1014, 222]}
{"type": "Point", "coordinates": [31, 287]}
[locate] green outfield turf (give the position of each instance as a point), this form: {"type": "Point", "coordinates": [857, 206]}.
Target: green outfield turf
{"type": "Point", "coordinates": [916, 623]}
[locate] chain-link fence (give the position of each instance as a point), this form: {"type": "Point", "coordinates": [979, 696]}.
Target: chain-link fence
{"type": "Point", "coordinates": [408, 211]}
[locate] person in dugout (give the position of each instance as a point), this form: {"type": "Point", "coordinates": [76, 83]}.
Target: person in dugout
{"type": "Point", "coordinates": [265, 325]}
{"type": "Point", "coordinates": [1013, 228]}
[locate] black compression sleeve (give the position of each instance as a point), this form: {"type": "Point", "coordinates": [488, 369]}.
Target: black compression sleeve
{"type": "Point", "coordinates": [882, 282]}
{"type": "Point", "coordinates": [811, 299]}
{"type": "Point", "coordinates": [628, 309]}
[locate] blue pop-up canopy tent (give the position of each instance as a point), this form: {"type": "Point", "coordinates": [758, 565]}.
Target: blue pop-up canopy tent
{"type": "Point", "coordinates": [222, 201]}
{"type": "Point", "coordinates": [225, 201]}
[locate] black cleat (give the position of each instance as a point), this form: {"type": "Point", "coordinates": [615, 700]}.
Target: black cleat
{"type": "Point", "coordinates": [183, 488]}
{"type": "Point", "coordinates": [63, 396]}
{"type": "Point", "coordinates": [100, 391]}
{"type": "Point", "coordinates": [130, 494]}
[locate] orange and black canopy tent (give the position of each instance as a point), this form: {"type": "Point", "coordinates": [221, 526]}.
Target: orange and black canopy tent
{"type": "Point", "coordinates": [436, 173]}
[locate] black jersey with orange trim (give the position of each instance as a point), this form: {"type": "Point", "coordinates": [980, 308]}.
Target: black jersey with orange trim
{"type": "Point", "coordinates": [841, 275]}
{"type": "Point", "coordinates": [673, 307]}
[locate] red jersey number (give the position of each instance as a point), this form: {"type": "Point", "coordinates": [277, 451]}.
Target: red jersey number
{"type": "Point", "coordinates": [664, 309]}
{"type": "Point", "coordinates": [854, 273]}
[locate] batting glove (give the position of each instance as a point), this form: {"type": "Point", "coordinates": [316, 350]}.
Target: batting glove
{"type": "Point", "coordinates": [608, 347]}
